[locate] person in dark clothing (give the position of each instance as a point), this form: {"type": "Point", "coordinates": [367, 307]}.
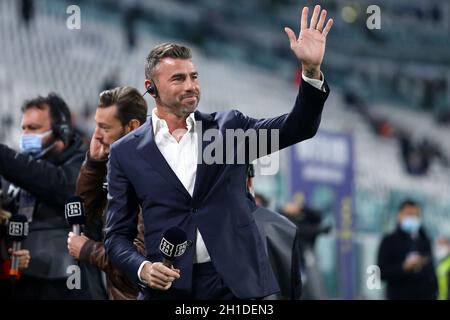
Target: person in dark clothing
{"type": "Point", "coordinates": [280, 240]}
{"type": "Point", "coordinates": [405, 258]}
{"type": "Point", "coordinates": [27, 11]}
{"type": "Point", "coordinates": [38, 180]}
{"type": "Point", "coordinates": [130, 17]}
{"type": "Point", "coordinates": [120, 111]}
{"type": "Point", "coordinates": [309, 226]}
{"type": "Point", "coordinates": [5, 257]}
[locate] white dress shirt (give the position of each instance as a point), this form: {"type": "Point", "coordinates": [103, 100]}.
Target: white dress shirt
{"type": "Point", "coordinates": [182, 159]}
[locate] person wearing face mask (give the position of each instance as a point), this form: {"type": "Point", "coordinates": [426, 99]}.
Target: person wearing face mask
{"type": "Point", "coordinates": [37, 181]}
{"type": "Point", "coordinates": [405, 258]}
{"type": "Point", "coordinates": [443, 269]}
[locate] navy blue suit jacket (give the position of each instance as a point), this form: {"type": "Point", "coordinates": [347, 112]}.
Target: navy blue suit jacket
{"type": "Point", "coordinates": [138, 175]}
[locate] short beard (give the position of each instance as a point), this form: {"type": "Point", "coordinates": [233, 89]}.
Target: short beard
{"type": "Point", "coordinates": [182, 112]}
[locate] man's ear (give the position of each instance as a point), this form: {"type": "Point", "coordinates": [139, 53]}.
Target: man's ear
{"type": "Point", "coordinates": [147, 83]}
{"type": "Point", "coordinates": [133, 124]}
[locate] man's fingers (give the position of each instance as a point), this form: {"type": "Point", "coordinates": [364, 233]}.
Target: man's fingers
{"type": "Point", "coordinates": [160, 287]}
{"type": "Point", "coordinates": [158, 282]}
{"type": "Point", "coordinates": [291, 35]}
{"type": "Point", "coordinates": [321, 22]}
{"type": "Point", "coordinates": [156, 286]}
{"type": "Point", "coordinates": [327, 27]}
{"type": "Point", "coordinates": [304, 19]}
{"type": "Point", "coordinates": [156, 274]}
{"type": "Point", "coordinates": [168, 286]}
{"type": "Point", "coordinates": [104, 149]}
{"type": "Point", "coordinates": [165, 270]}
{"type": "Point", "coordinates": [315, 17]}
{"type": "Point", "coordinates": [21, 253]}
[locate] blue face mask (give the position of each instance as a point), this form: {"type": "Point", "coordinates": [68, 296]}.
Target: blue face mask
{"type": "Point", "coordinates": [32, 143]}
{"type": "Point", "coordinates": [410, 224]}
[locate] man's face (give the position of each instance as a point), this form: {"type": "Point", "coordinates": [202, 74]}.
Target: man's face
{"type": "Point", "coordinates": [178, 86]}
{"type": "Point", "coordinates": [409, 211]}
{"type": "Point", "coordinates": [37, 121]}
{"type": "Point", "coordinates": [108, 127]}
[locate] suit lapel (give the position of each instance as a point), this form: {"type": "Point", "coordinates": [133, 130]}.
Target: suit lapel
{"type": "Point", "coordinates": [148, 149]}
{"type": "Point", "coordinates": [205, 173]}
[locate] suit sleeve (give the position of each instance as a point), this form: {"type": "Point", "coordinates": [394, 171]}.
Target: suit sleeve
{"type": "Point", "coordinates": [121, 220]}
{"type": "Point", "coordinates": [300, 124]}
{"type": "Point", "coordinates": [49, 182]}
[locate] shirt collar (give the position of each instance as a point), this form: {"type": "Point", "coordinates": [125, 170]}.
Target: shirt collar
{"type": "Point", "coordinates": [161, 124]}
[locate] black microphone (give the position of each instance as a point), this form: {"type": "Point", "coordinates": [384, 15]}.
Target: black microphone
{"type": "Point", "coordinates": [17, 232]}
{"type": "Point", "coordinates": [74, 209]}
{"type": "Point", "coordinates": [173, 245]}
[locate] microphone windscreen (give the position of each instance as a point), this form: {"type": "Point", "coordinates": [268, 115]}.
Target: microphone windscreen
{"type": "Point", "coordinates": [74, 210]}
{"type": "Point", "coordinates": [18, 227]}
{"type": "Point", "coordinates": [173, 243]}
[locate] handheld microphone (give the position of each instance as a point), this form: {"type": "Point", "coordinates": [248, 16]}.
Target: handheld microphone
{"type": "Point", "coordinates": [74, 210]}
{"type": "Point", "coordinates": [17, 232]}
{"type": "Point", "coordinates": [173, 245]}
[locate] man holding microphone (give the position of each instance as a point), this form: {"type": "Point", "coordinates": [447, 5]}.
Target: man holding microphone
{"type": "Point", "coordinates": [157, 167]}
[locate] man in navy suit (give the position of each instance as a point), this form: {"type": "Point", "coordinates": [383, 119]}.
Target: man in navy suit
{"type": "Point", "coordinates": [159, 167]}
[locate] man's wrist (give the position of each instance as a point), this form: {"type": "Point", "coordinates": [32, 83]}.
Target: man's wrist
{"type": "Point", "coordinates": [318, 84]}
{"type": "Point", "coordinates": [94, 163]}
{"type": "Point", "coordinates": [141, 267]}
{"type": "Point", "coordinates": [311, 72]}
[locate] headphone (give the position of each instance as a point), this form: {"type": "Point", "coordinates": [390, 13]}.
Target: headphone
{"type": "Point", "coordinates": [151, 89]}
{"type": "Point", "coordinates": [62, 129]}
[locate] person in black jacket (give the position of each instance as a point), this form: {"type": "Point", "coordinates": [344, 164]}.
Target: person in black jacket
{"type": "Point", "coordinates": [280, 240]}
{"type": "Point", "coordinates": [6, 253]}
{"type": "Point", "coordinates": [38, 180]}
{"type": "Point", "coordinates": [405, 258]}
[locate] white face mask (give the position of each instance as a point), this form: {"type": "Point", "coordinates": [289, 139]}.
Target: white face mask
{"type": "Point", "coordinates": [410, 225]}
{"type": "Point", "coordinates": [442, 252]}
{"type": "Point", "coordinates": [31, 143]}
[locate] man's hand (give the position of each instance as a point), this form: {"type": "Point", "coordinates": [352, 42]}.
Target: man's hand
{"type": "Point", "coordinates": [23, 255]}
{"type": "Point", "coordinates": [309, 48]}
{"type": "Point", "coordinates": [415, 262]}
{"type": "Point", "coordinates": [158, 276]}
{"type": "Point", "coordinates": [75, 243]}
{"type": "Point", "coordinates": [97, 150]}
